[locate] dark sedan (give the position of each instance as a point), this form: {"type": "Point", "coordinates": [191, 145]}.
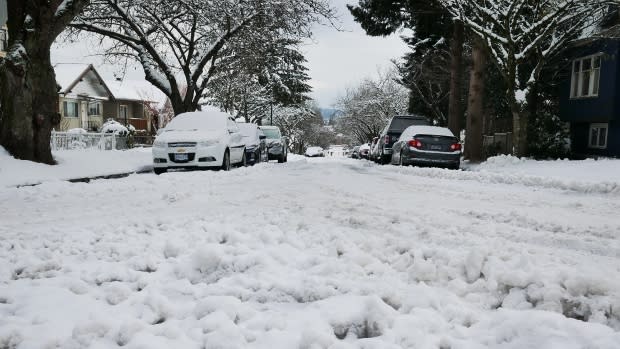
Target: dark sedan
{"type": "Point", "coordinates": [427, 145]}
{"type": "Point", "coordinates": [255, 145]}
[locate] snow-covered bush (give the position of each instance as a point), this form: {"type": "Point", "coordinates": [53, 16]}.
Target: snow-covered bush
{"type": "Point", "coordinates": [112, 126]}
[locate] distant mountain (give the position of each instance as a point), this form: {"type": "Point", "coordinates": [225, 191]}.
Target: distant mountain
{"type": "Point", "coordinates": [328, 113]}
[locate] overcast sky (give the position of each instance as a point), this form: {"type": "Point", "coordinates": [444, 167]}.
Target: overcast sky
{"type": "Point", "coordinates": [336, 59]}
{"type": "Point", "coordinates": [340, 59]}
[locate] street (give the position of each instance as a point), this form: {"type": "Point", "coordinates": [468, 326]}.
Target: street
{"type": "Point", "coordinates": [320, 253]}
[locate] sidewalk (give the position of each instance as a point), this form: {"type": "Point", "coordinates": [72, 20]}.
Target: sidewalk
{"type": "Point", "coordinates": [75, 165]}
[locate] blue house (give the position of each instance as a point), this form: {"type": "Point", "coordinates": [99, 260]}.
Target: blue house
{"type": "Point", "coordinates": [590, 99]}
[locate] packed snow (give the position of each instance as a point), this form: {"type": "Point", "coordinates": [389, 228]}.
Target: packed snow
{"type": "Point", "coordinates": [319, 253]}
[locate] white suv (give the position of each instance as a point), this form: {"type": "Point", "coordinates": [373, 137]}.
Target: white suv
{"type": "Point", "coordinates": [199, 140]}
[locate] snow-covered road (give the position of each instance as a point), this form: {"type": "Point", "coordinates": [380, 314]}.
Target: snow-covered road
{"type": "Point", "coordinates": [311, 254]}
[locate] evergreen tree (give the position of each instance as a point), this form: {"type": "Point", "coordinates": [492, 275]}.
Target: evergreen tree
{"type": "Point", "coordinates": [437, 42]}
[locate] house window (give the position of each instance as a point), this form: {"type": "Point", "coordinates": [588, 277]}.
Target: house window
{"type": "Point", "coordinates": [94, 109]}
{"type": "Point", "coordinates": [3, 40]}
{"type": "Point", "coordinates": [122, 112]}
{"type": "Point", "coordinates": [586, 77]}
{"type": "Point", "coordinates": [598, 136]}
{"type": "Point", "coordinates": [70, 109]}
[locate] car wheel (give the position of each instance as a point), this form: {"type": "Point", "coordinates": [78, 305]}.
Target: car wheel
{"type": "Point", "coordinates": [281, 158]}
{"type": "Point", "coordinates": [159, 171]}
{"type": "Point", "coordinates": [226, 161]}
{"type": "Point", "coordinates": [400, 159]}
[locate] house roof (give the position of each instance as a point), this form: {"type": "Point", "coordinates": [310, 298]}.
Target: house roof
{"type": "Point", "coordinates": [124, 90]}
{"type": "Point", "coordinates": [594, 34]}
{"type": "Point", "coordinates": [136, 90]}
{"type": "Point", "coordinates": [611, 33]}
{"type": "Point", "coordinates": [68, 75]}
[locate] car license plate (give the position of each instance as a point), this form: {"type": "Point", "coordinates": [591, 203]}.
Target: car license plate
{"type": "Point", "coordinates": [181, 157]}
{"type": "Point", "coordinates": [435, 147]}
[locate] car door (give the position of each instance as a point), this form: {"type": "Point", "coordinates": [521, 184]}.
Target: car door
{"type": "Point", "coordinates": [236, 142]}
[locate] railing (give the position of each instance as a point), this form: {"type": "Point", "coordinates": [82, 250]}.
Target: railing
{"type": "Point", "coordinates": [101, 141]}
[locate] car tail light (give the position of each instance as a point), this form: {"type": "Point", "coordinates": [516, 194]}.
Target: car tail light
{"type": "Point", "coordinates": [415, 143]}
{"type": "Point", "coordinates": [456, 146]}
{"type": "Point", "coordinates": [387, 139]}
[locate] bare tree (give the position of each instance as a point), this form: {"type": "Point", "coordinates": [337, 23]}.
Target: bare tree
{"type": "Point", "coordinates": [179, 42]}
{"type": "Point", "coordinates": [28, 92]}
{"type": "Point", "coordinates": [367, 107]}
{"type": "Point", "coordinates": [428, 75]}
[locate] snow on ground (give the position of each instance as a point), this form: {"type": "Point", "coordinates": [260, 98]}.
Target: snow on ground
{"type": "Point", "coordinates": [73, 164]}
{"type": "Point", "coordinates": [325, 253]}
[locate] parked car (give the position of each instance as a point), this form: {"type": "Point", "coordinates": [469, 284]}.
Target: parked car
{"type": "Point", "coordinates": [255, 143]}
{"type": "Point", "coordinates": [199, 140]}
{"type": "Point", "coordinates": [337, 150]}
{"type": "Point", "coordinates": [312, 152]}
{"type": "Point", "coordinates": [277, 149]}
{"type": "Point", "coordinates": [427, 145]}
{"type": "Point", "coordinates": [364, 151]}
{"type": "Point", "coordinates": [355, 153]}
{"type": "Point", "coordinates": [392, 132]}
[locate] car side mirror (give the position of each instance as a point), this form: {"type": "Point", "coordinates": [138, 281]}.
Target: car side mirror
{"type": "Point", "coordinates": [262, 137]}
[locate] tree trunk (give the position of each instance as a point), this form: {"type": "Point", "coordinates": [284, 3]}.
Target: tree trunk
{"type": "Point", "coordinates": [29, 102]}
{"type": "Point", "coordinates": [28, 92]}
{"type": "Point", "coordinates": [29, 107]}
{"type": "Point", "coordinates": [519, 128]}
{"type": "Point", "coordinates": [456, 73]}
{"type": "Point", "coordinates": [475, 103]}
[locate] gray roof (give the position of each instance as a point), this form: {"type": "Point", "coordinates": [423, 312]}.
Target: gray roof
{"type": "Point", "coordinates": [612, 32]}
{"type": "Point", "coordinates": [609, 33]}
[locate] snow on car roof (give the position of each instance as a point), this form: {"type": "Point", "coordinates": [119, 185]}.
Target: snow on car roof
{"type": "Point", "coordinates": [426, 130]}
{"type": "Point", "coordinates": [247, 129]}
{"type": "Point", "coordinates": [199, 120]}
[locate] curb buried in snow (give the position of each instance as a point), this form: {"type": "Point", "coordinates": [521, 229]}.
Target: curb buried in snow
{"type": "Point", "coordinates": [93, 178]}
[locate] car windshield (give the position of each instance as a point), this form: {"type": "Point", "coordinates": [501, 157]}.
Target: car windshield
{"type": "Point", "coordinates": [400, 124]}
{"type": "Point", "coordinates": [272, 133]}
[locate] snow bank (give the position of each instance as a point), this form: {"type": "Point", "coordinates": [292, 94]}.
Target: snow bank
{"type": "Point", "coordinates": [590, 170]}
{"type": "Point", "coordinates": [72, 164]}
